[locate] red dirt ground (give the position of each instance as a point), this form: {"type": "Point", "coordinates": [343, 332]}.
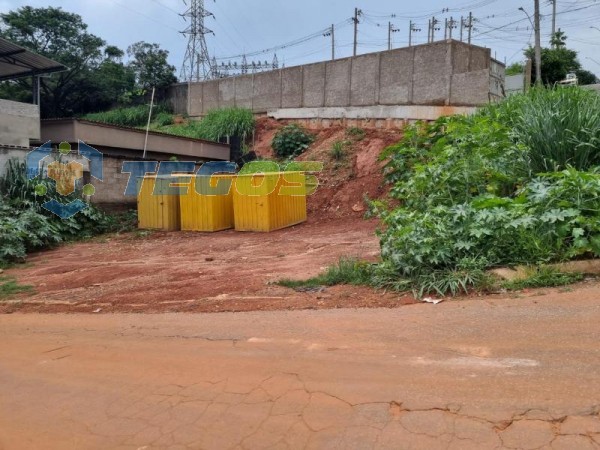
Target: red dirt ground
{"type": "Point", "coordinates": [200, 272]}
{"type": "Point", "coordinates": [227, 271]}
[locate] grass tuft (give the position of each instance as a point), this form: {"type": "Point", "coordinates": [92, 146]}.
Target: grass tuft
{"type": "Point", "coordinates": [9, 287]}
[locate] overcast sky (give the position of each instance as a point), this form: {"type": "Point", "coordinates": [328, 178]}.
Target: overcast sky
{"type": "Point", "coordinates": [245, 26]}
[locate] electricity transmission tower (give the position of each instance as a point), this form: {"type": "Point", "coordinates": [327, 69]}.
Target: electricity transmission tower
{"type": "Point", "coordinates": [197, 65]}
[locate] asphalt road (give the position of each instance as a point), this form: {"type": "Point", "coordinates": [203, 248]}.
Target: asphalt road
{"type": "Point", "coordinates": [490, 373]}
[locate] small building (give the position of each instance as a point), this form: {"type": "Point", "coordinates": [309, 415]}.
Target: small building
{"type": "Point", "coordinates": [20, 122]}
{"type": "Point", "coordinates": [119, 144]}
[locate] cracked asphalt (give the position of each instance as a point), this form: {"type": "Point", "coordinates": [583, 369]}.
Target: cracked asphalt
{"type": "Point", "coordinates": [518, 373]}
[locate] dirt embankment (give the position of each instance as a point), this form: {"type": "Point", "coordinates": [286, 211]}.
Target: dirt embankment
{"type": "Point", "coordinates": [345, 182]}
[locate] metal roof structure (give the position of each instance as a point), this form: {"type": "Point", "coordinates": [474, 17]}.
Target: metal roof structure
{"type": "Point", "coordinates": [18, 62]}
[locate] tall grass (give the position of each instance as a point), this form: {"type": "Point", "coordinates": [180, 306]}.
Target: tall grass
{"type": "Point", "coordinates": [134, 116]}
{"type": "Point", "coordinates": [560, 126]}
{"type": "Point", "coordinates": [224, 122]}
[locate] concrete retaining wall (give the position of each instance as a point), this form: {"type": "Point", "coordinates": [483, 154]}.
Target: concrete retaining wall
{"type": "Point", "coordinates": [446, 73]}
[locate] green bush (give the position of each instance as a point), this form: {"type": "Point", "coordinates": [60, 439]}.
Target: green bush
{"type": "Point", "coordinates": [484, 191]}
{"type": "Point", "coordinates": [164, 119]}
{"type": "Point", "coordinates": [26, 226]}
{"type": "Point", "coordinates": [358, 134]}
{"type": "Point", "coordinates": [291, 140]}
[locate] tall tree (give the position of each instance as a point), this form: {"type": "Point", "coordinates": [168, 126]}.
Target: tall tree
{"type": "Point", "coordinates": [558, 61]}
{"type": "Point", "coordinates": [63, 36]}
{"type": "Point", "coordinates": [150, 65]}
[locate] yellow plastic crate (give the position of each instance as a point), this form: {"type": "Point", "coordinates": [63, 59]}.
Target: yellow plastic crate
{"type": "Point", "coordinates": [158, 212]}
{"type": "Point", "coordinates": [208, 206]}
{"type": "Point", "coordinates": [269, 201]}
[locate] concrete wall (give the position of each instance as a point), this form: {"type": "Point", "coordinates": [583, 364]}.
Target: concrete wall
{"type": "Point", "coordinates": [446, 73]}
{"type": "Point", "coordinates": [19, 122]}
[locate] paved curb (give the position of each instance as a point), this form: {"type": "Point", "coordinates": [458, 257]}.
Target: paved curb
{"type": "Point", "coordinates": [587, 267]}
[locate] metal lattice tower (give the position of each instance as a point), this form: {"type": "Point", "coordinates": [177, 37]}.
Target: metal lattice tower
{"type": "Point", "coordinates": [197, 64]}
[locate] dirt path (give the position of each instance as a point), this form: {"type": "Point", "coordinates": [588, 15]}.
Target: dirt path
{"type": "Point", "coordinates": [200, 272]}
{"type": "Point", "coordinates": [476, 374]}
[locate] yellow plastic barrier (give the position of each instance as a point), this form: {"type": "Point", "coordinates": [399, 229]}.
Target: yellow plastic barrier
{"type": "Point", "coordinates": [269, 201]}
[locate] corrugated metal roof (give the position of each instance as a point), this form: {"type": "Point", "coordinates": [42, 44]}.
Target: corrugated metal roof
{"type": "Point", "coordinates": [17, 62]}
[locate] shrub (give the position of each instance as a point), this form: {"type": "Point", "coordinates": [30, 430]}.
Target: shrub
{"type": "Point", "coordinates": [338, 150]}
{"type": "Point", "coordinates": [26, 226]}
{"type": "Point", "coordinates": [486, 190]}
{"type": "Point", "coordinates": [291, 140]}
{"type": "Point", "coordinates": [358, 134]}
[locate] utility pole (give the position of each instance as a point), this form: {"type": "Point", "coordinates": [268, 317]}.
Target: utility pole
{"type": "Point", "coordinates": [538, 44]}
{"type": "Point", "coordinates": [429, 32]}
{"type": "Point", "coordinates": [411, 29]}
{"type": "Point", "coordinates": [331, 33]}
{"type": "Point", "coordinates": [434, 22]}
{"type": "Point", "coordinates": [332, 42]}
{"type": "Point", "coordinates": [451, 26]}
{"type": "Point", "coordinates": [446, 29]}
{"type": "Point", "coordinates": [462, 26]}
{"type": "Point", "coordinates": [553, 17]}
{"type": "Point", "coordinates": [470, 25]}
{"type": "Point", "coordinates": [357, 13]}
{"type": "Point", "coordinates": [391, 31]}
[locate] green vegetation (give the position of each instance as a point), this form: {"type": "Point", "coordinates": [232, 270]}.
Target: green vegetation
{"type": "Point", "coordinates": [358, 134]}
{"type": "Point", "coordinates": [291, 140]}
{"type": "Point", "coordinates": [476, 192]}
{"type": "Point", "coordinates": [346, 271]}
{"type": "Point", "coordinates": [9, 287]}
{"type": "Point", "coordinates": [26, 226]}
{"type": "Point", "coordinates": [133, 116]}
{"type": "Point", "coordinates": [539, 277]}
{"type": "Point", "coordinates": [220, 123]}
{"type": "Point", "coordinates": [97, 78]}
{"type": "Point", "coordinates": [339, 150]}
{"type": "Point", "coordinates": [558, 61]}
{"type": "Point", "coordinates": [561, 127]}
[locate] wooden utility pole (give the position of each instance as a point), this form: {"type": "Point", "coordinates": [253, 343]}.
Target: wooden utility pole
{"type": "Point", "coordinates": [538, 44]}
{"type": "Point", "coordinates": [410, 30]}
{"type": "Point", "coordinates": [390, 36]}
{"type": "Point", "coordinates": [462, 26]}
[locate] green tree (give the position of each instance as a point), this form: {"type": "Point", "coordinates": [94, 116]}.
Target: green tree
{"type": "Point", "coordinates": [151, 67]}
{"type": "Point", "coordinates": [96, 76]}
{"type": "Point", "coordinates": [558, 61]}
{"type": "Point", "coordinates": [515, 69]}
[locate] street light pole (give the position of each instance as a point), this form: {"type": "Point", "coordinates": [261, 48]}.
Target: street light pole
{"type": "Point", "coordinates": [538, 40]}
